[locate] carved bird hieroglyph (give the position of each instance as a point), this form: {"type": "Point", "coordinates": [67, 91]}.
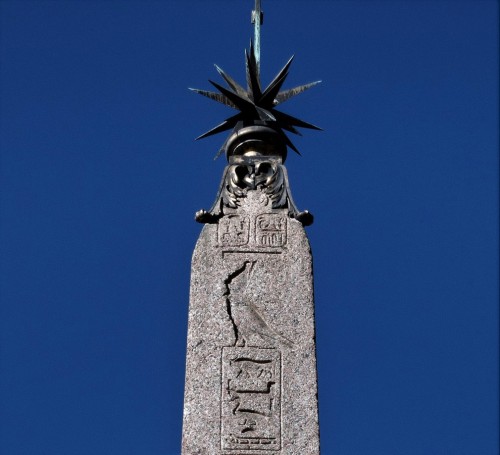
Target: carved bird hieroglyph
{"type": "Point", "coordinates": [251, 328]}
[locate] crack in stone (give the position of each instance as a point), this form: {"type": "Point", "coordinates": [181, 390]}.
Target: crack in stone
{"type": "Point", "coordinates": [227, 293]}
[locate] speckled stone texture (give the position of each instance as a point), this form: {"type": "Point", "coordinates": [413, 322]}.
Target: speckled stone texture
{"type": "Point", "coordinates": [251, 386]}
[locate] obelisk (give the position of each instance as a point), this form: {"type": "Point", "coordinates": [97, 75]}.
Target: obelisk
{"type": "Point", "coordinates": [251, 383]}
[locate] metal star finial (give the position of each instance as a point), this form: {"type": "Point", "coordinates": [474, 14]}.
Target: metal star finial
{"type": "Point", "coordinates": [253, 103]}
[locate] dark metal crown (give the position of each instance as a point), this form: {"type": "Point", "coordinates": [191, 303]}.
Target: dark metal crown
{"type": "Point", "coordinates": [258, 119]}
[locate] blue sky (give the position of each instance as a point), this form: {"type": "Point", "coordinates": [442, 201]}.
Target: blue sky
{"type": "Point", "coordinates": [101, 178]}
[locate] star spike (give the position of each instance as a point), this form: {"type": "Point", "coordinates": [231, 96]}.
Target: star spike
{"type": "Point", "coordinates": [274, 87]}
{"type": "Point", "coordinates": [214, 96]}
{"type": "Point", "coordinates": [224, 126]}
{"type": "Point", "coordinates": [289, 120]}
{"type": "Point", "coordinates": [253, 80]}
{"type": "Point", "coordinates": [290, 93]}
{"type": "Point", "coordinates": [237, 88]}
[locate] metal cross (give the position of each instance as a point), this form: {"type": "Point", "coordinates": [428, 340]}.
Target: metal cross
{"type": "Point", "coordinates": [257, 20]}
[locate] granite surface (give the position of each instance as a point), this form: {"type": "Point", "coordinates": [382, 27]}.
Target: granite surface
{"type": "Point", "coordinates": [251, 385]}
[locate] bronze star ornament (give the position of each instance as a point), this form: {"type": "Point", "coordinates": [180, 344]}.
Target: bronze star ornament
{"type": "Point", "coordinates": [257, 147]}
{"type": "Point", "coordinates": [257, 106]}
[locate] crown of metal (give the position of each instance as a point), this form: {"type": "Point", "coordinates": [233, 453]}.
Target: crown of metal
{"type": "Point", "coordinates": [257, 106]}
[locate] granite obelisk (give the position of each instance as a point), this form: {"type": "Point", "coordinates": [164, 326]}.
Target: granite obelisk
{"type": "Point", "coordinates": [251, 385]}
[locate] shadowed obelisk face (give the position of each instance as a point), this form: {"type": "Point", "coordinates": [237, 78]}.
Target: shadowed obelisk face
{"type": "Point", "coordinates": [251, 386]}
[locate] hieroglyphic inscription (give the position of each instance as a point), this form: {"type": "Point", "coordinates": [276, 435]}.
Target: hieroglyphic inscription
{"type": "Point", "coordinates": [251, 399]}
{"type": "Point", "coordinates": [234, 230]}
{"type": "Point", "coordinates": [270, 229]}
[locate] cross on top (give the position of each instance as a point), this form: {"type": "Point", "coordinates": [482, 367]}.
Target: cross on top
{"type": "Point", "coordinates": [257, 20]}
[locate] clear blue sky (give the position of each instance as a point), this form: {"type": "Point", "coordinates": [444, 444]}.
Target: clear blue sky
{"type": "Point", "coordinates": [100, 179]}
